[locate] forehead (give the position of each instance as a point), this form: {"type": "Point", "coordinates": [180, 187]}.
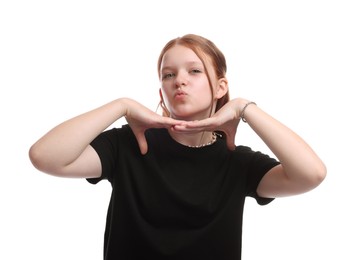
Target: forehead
{"type": "Point", "coordinates": [179, 54]}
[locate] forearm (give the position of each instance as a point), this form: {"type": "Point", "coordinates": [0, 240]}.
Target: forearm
{"type": "Point", "coordinates": [299, 161]}
{"type": "Point", "coordinates": [64, 143]}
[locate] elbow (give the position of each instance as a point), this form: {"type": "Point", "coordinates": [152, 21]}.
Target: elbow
{"type": "Point", "coordinates": [35, 158]}
{"type": "Point", "coordinates": [40, 160]}
{"type": "Point", "coordinates": [47, 162]}
{"type": "Point", "coordinates": [321, 174]}
{"type": "Point", "coordinates": [318, 175]}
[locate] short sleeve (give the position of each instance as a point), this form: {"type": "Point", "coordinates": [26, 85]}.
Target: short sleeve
{"type": "Point", "coordinates": [105, 145]}
{"type": "Point", "coordinates": [261, 164]}
{"type": "Point", "coordinates": [258, 164]}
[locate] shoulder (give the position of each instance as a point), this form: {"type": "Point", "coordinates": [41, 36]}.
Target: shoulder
{"type": "Point", "coordinates": [253, 160]}
{"type": "Point", "coordinates": [117, 132]}
{"type": "Point", "coordinates": [247, 152]}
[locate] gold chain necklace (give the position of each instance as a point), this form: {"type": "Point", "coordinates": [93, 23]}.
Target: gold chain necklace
{"type": "Point", "coordinates": [213, 139]}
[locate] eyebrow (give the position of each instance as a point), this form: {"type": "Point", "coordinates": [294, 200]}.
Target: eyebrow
{"type": "Point", "coordinates": [190, 63]}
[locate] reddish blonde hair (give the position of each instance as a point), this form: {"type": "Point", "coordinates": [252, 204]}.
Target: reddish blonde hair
{"type": "Point", "coordinates": [203, 48]}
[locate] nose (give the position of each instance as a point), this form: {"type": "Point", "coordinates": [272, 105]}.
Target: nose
{"type": "Point", "coordinates": [181, 79]}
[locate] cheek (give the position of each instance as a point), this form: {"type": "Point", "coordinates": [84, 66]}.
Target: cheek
{"type": "Point", "coordinates": [205, 89]}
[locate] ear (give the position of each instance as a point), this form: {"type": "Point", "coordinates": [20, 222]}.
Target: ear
{"type": "Point", "coordinates": [222, 88]}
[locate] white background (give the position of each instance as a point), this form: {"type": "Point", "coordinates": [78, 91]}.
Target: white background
{"type": "Point", "coordinates": [61, 58]}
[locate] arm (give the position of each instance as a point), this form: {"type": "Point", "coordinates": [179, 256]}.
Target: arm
{"type": "Point", "coordinates": [65, 150]}
{"type": "Point", "coordinates": [301, 169]}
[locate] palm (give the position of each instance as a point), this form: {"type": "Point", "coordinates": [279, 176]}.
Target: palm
{"type": "Point", "coordinates": [141, 118]}
{"type": "Point", "coordinates": [223, 120]}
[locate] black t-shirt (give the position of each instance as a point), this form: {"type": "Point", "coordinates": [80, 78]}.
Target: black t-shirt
{"type": "Point", "coordinates": [176, 202]}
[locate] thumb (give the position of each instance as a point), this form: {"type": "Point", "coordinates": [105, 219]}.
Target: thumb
{"type": "Point", "coordinates": [230, 139]}
{"type": "Point", "coordinates": [142, 142]}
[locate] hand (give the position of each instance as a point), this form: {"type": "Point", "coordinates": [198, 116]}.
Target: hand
{"type": "Point", "coordinates": [226, 120]}
{"type": "Point", "coordinates": [141, 118]}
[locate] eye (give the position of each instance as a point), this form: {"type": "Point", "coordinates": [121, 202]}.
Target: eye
{"type": "Point", "coordinates": [195, 71]}
{"type": "Point", "coordinates": [168, 75]}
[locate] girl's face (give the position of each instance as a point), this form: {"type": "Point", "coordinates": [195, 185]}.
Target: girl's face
{"type": "Point", "coordinates": [185, 87]}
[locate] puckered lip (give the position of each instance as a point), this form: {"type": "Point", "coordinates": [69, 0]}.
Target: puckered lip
{"type": "Point", "coordinates": [180, 93]}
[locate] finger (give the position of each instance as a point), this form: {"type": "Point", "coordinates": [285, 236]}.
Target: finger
{"type": "Point", "coordinates": [192, 128]}
{"type": "Point", "coordinates": [170, 122]}
{"type": "Point", "coordinates": [185, 129]}
{"type": "Point", "coordinates": [199, 123]}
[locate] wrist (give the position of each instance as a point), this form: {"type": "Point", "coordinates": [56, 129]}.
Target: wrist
{"type": "Point", "coordinates": [123, 106]}
{"type": "Point", "coordinates": [244, 108]}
